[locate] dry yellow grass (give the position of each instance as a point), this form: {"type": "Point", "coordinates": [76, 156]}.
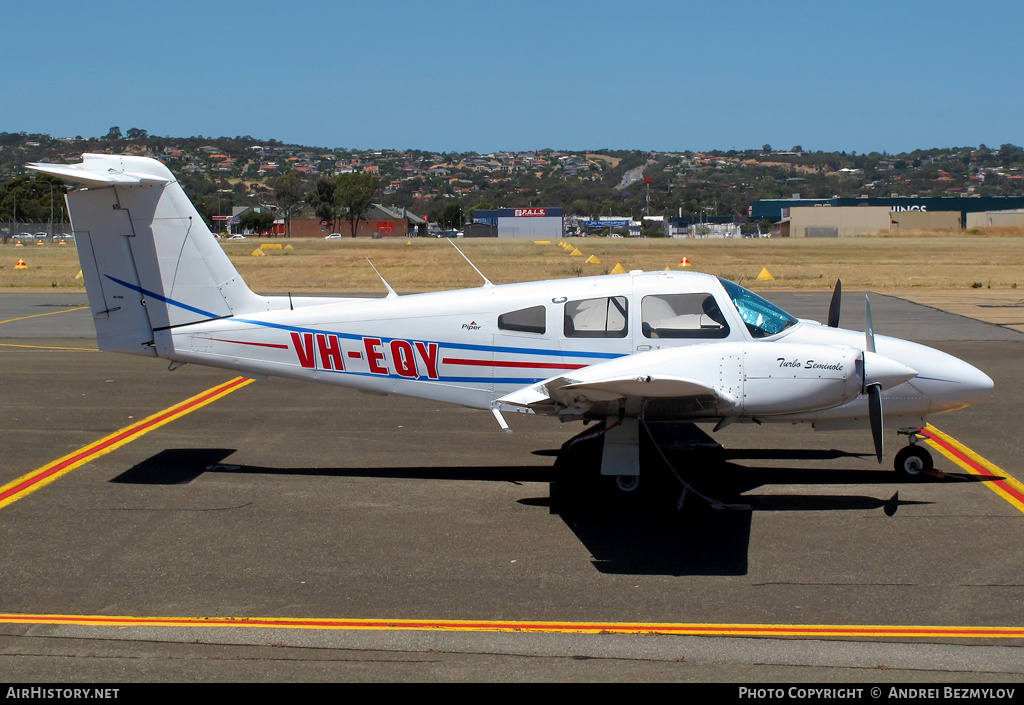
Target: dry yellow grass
{"type": "Point", "coordinates": [934, 261]}
{"type": "Point", "coordinates": [610, 161]}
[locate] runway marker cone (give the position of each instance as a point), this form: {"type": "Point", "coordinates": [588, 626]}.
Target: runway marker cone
{"type": "Point", "coordinates": [593, 260]}
{"type": "Point", "coordinates": [684, 262]}
{"type": "Point", "coordinates": [259, 253]}
{"type": "Point", "coordinates": [617, 269]}
{"type": "Point", "coordinates": [21, 264]}
{"type": "Point", "coordinates": [765, 275]}
{"type": "Point", "coordinates": [576, 252]}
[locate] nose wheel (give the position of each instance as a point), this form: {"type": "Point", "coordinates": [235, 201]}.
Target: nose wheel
{"type": "Point", "coordinates": [912, 461]}
{"type": "Point", "coordinates": [627, 483]}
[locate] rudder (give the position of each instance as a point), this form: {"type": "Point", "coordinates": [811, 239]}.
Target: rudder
{"type": "Point", "coordinates": [148, 259]}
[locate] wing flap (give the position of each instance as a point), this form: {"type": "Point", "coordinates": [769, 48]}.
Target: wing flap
{"type": "Point", "coordinates": [648, 387]}
{"type": "Point", "coordinates": [569, 392]}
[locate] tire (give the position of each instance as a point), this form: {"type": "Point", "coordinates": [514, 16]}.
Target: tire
{"type": "Point", "coordinates": [913, 462]}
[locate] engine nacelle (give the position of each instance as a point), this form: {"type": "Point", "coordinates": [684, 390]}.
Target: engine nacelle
{"type": "Point", "coordinates": [787, 378]}
{"type": "Point", "coordinates": [723, 380]}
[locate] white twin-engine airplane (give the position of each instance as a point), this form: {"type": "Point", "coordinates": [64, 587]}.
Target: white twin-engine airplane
{"type": "Point", "coordinates": [626, 349]}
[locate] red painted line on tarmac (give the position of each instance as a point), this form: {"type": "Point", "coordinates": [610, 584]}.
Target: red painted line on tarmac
{"type": "Point", "coordinates": [29, 482]}
{"type": "Point", "coordinates": [972, 464]}
{"type": "Point", "coordinates": [779, 630]}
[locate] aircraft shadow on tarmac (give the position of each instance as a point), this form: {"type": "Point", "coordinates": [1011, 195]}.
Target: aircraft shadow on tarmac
{"type": "Point", "coordinates": [644, 532]}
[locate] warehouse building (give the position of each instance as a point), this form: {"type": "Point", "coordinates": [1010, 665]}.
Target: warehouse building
{"type": "Point", "coordinates": [996, 219]}
{"type": "Point", "coordinates": [534, 223]}
{"type": "Point", "coordinates": [840, 217]}
{"type": "Point", "coordinates": [845, 221]}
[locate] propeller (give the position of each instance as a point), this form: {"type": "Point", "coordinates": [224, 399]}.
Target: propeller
{"type": "Point", "coordinates": [885, 372]}
{"type": "Point", "coordinates": [872, 389]}
{"type": "Point", "coordinates": [869, 328]}
{"type": "Point", "coordinates": [874, 392]}
{"type": "Point", "coordinates": [833, 307]}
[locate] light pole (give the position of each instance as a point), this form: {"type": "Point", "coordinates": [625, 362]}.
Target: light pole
{"type": "Point", "coordinates": [51, 209]}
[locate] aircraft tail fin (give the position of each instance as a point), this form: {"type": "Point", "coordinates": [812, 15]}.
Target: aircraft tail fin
{"type": "Point", "coordinates": [148, 260]}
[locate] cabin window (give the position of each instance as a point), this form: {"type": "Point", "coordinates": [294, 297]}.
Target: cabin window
{"type": "Point", "coordinates": [525, 320]}
{"type": "Point", "coordinates": [682, 316]}
{"type": "Point", "coordinates": [596, 318]}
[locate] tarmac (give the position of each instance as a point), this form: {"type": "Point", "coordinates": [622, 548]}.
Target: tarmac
{"type": "Point", "coordinates": [288, 501]}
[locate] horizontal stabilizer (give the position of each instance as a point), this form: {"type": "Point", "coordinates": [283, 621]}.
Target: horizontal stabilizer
{"type": "Point", "coordinates": [104, 170]}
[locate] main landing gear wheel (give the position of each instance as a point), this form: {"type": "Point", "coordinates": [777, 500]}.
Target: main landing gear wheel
{"type": "Point", "coordinates": [912, 461]}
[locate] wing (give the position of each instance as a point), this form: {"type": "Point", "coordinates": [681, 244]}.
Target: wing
{"type": "Point", "coordinates": [652, 375]}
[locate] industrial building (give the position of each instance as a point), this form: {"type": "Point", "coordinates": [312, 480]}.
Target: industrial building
{"type": "Point", "coordinates": [534, 223]}
{"type": "Point", "coordinates": [840, 217]}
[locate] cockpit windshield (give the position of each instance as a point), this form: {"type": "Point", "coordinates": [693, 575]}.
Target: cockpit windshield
{"type": "Point", "coordinates": [763, 319]}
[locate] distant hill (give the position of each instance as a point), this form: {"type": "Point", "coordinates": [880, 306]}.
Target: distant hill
{"type": "Point", "coordinates": [220, 173]}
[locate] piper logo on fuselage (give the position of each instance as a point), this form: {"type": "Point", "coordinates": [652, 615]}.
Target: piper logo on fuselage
{"type": "Point", "coordinates": [409, 359]}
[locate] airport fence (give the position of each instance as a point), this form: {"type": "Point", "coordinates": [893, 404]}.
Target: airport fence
{"type": "Point", "coordinates": [45, 231]}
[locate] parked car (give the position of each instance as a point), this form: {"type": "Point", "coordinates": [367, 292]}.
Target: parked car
{"type": "Point", "coordinates": [237, 237]}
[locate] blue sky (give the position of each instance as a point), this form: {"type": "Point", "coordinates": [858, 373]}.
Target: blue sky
{"type": "Point", "coordinates": [485, 76]}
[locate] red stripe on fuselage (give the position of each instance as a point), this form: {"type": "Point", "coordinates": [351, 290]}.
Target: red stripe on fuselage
{"type": "Point", "coordinates": [510, 363]}
{"type": "Point", "coordinates": [244, 342]}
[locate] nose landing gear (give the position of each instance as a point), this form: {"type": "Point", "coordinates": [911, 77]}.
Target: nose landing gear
{"type": "Point", "coordinates": [914, 461]}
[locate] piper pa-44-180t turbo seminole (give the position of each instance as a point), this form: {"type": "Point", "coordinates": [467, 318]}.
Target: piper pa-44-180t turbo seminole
{"type": "Point", "coordinates": [626, 349]}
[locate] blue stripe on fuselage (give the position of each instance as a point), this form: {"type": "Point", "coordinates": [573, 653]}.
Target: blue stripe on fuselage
{"type": "Point", "coordinates": [355, 336]}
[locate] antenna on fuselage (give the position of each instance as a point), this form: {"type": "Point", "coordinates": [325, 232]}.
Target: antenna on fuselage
{"type": "Point", "coordinates": [487, 282]}
{"type": "Point", "coordinates": [391, 292]}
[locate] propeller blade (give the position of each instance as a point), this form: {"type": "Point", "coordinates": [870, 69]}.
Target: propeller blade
{"type": "Point", "coordinates": [874, 392]}
{"type": "Point", "coordinates": [869, 328]}
{"type": "Point", "coordinates": [833, 307]}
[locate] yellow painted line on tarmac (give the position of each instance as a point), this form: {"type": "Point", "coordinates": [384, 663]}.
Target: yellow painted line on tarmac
{"type": "Point", "coordinates": [46, 347]}
{"type": "Point", "coordinates": [999, 481]}
{"type": "Point", "coordinates": [27, 484]}
{"type": "Point", "coordinates": [459, 625]}
{"type": "Point", "coordinates": [37, 315]}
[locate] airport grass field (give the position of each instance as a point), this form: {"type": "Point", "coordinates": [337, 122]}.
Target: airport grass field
{"type": "Point", "coordinates": [929, 260]}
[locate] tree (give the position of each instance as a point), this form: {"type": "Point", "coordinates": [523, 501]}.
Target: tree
{"type": "Point", "coordinates": [257, 222]}
{"type": "Point", "coordinates": [321, 197]}
{"type": "Point", "coordinates": [114, 133]}
{"type": "Point", "coordinates": [353, 196]}
{"type": "Point", "coordinates": [288, 191]}
{"type": "Point", "coordinates": [33, 199]}
{"type": "Point", "coordinates": [450, 216]}
{"type": "Point", "coordinates": [135, 133]}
